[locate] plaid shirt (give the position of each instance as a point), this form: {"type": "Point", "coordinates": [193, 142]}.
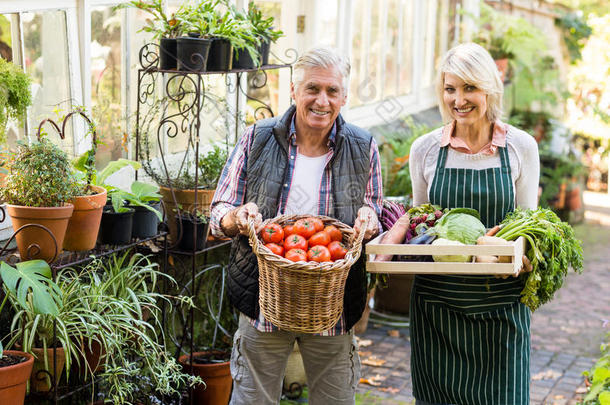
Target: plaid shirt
{"type": "Point", "coordinates": [231, 190]}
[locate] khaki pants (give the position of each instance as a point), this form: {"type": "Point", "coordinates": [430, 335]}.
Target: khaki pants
{"type": "Point", "coordinates": [258, 363]}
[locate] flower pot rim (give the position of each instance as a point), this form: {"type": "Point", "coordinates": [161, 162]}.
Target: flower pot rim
{"type": "Point", "coordinates": [29, 359]}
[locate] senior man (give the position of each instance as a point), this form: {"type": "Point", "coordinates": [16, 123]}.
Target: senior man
{"type": "Point", "coordinates": [308, 161]}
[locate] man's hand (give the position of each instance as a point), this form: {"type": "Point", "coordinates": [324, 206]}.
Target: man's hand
{"type": "Point", "coordinates": [236, 221]}
{"type": "Point", "coordinates": [367, 213]}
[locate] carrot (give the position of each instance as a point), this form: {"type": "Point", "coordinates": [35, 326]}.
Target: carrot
{"type": "Point", "coordinates": [493, 231]}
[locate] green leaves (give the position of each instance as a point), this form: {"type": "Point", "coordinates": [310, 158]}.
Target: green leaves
{"type": "Point", "coordinates": [39, 176]}
{"type": "Point", "coordinates": [553, 248]}
{"type": "Point", "coordinates": [15, 94]}
{"type": "Point", "coordinates": [30, 282]}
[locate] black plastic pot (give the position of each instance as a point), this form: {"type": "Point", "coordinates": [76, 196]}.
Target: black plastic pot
{"type": "Point", "coordinates": [189, 224]}
{"type": "Point", "coordinates": [115, 228]}
{"type": "Point", "coordinates": [220, 58]}
{"type": "Point", "coordinates": [145, 222]}
{"type": "Point", "coordinates": [192, 53]}
{"type": "Point", "coordinates": [264, 50]}
{"type": "Point", "coordinates": [242, 59]}
{"type": "Point", "coordinates": [168, 59]}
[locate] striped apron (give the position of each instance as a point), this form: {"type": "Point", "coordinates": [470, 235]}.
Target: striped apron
{"type": "Point", "coordinates": [470, 334]}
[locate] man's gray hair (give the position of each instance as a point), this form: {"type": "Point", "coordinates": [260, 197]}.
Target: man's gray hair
{"type": "Point", "coordinates": [321, 57]}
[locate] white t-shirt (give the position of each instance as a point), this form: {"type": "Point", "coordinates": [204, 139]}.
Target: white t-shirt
{"type": "Point", "coordinates": [304, 191]}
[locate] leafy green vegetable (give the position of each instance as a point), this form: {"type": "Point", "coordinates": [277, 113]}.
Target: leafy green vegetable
{"type": "Point", "coordinates": [452, 258]}
{"type": "Point", "coordinates": [460, 224]}
{"type": "Point", "coordinates": [553, 248]}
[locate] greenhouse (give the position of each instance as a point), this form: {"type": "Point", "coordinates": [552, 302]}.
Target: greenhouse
{"type": "Point", "coordinates": [289, 202]}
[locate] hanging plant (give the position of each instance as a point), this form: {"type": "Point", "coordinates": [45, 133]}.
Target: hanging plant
{"type": "Point", "coordinates": [15, 96]}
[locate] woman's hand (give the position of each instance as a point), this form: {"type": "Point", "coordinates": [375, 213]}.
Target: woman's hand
{"type": "Point", "coordinates": [395, 235]}
{"type": "Point", "coordinates": [526, 267]}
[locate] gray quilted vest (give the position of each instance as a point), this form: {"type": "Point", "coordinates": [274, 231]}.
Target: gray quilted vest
{"type": "Point", "coordinates": [267, 168]}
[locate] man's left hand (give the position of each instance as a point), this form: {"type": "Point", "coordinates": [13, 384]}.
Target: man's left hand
{"type": "Point", "coordinates": [367, 214]}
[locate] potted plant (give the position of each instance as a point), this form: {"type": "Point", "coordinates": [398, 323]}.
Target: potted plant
{"type": "Point", "coordinates": [124, 309]}
{"type": "Point", "coordinates": [194, 230]}
{"type": "Point", "coordinates": [166, 28]}
{"type": "Point", "coordinates": [193, 49]}
{"type": "Point", "coordinates": [15, 96]}
{"type": "Point", "coordinates": [145, 200]}
{"type": "Point", "coordinates": [84, 223]}
{"type": "Point", "coordinates": [179, 190]}
{"type": "Point", "coordinates": [264, 35]}
{"type": "Point", "coordinates": [211, 360]}
{"type": "Point", "coordinates": [507, 38]}
{"type": "Point", "coordinates": [29, 284]}
{"type": "Point", "coordinates": [37, 190]}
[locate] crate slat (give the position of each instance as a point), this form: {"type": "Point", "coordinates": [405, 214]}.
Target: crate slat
{"type": "Point", "coordinates": [514, 249]}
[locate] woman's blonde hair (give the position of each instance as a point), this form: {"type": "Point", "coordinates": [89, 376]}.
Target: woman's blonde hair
{"type": "Point", "coordinates": [475, 66]}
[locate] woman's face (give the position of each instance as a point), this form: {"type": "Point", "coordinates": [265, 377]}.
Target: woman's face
{"type": "Point", "coordinates": [467, 104]}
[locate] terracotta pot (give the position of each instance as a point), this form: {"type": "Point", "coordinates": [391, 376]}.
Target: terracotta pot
{"type": "Point", "coordinates": [13, 379]}
{"type": "Point", "coordinates": [84, 224]}
{"type": "Point", "coordinates": [40, 380]}
{"type": "Point", "coordinates": [217, 377]}
{"type": "Point", "coordinates": [186, 200]}
{"type": "Point", "coordinates": [573, 199]}
{"type": "Point", "coordinates": [361, 325]}
{"type": "Point", "coordinates": [502, 65]}
{"type": "Point", "coordinates": [54, 218]}
{"type": "Point", "coordinates": [95, 356]}
{"type": "Point", "coordinates": [396, 297]}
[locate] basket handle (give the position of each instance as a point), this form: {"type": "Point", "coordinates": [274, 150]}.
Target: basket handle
{"type": "Point", "coordinates": [253, 239]}
{"type": "Point", "coordinates": [357, 244]}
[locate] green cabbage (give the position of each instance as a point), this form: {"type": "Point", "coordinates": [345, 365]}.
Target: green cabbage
{"type": "Point", "coordinates": [460, 226]}
{"type": "Point", "coordinates": [452, 258]}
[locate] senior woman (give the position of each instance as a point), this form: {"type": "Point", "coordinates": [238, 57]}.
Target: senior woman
{"type": "Point", "coordinates": [470, 335]}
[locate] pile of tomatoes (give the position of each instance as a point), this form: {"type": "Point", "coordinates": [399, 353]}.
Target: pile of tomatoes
{"type": "Point", "coordinates": [305, 240]}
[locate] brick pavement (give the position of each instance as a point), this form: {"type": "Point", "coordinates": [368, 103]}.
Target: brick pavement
{"type": "Point", "coordinates": [566, 333]}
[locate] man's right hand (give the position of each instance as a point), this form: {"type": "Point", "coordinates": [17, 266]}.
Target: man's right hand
{"type": "Point", "coordinates": [236, 221]}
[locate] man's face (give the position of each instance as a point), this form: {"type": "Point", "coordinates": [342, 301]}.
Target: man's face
{"type": "Point", "coordinates": [318, 98]}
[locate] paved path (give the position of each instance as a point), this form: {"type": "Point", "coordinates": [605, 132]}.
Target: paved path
{"type": "Point", "coordinates": [566, 333]}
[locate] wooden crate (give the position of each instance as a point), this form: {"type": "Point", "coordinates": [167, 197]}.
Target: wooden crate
{"type": "Point", "coordinates": [513, 249]}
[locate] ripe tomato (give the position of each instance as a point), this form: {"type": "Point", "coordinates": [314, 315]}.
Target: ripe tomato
{"type": "Point", "coordinates": [272, 233]}
{"type": "Point", "coordinates": [318, 254]}
{"type": "Point", "coordinates": [275, 248]}
{"type": "Point", "coordinates": [304, 227]}
{"type": "Point", "coordinates": [319, 238]}
{"type": "Point", "coordinates": [288, 230]}
{"type": "Point", "coordinates": [337, 250]}
{"type": "Point", "coordinates": [295, 242]}
{"type": "Point", "coordinates": [317, 223]}
{"type": "Point", "coordinates": [333, 232]}
{"type": "Point", "coordinates": [296, 255]}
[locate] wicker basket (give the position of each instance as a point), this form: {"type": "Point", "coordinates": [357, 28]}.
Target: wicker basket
{"type": "Point", "coordinates": [303, 296]}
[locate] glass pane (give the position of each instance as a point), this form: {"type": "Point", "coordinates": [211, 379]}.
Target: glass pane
{"type": "Point", "coordinates": [430, 28]}
{"type": "Point", "coordinates": [107, 84]}
{"type": "Point", "coordinates": [365, 53]}
{"type": "Point", "coordinates": [391, 86]}
{"type": "Point", "coordinates": [8, 27]}
{"type": "Point", "coordinates": [46, 60]}
{"type": "Point", "coordinates": [328, 23]}
{"type": "Point", "coordinates": [406, 60]}
{"type": "Point", "coordinates": [274, 9]}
